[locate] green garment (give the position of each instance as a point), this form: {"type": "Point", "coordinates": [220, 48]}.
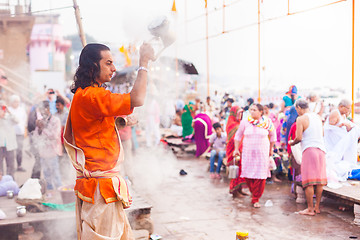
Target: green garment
{"type": "Point", "coordinates": [61, 207]}
{"type": "Point", "coordinates": [288, 101]}
{"type": "Point", "coordinates": [186, 121]}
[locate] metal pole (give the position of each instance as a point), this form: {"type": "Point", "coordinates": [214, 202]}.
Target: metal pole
{"type": "Point", "coordinates": [259, 94]}
{"type": "Point", "coordinates": [207, 52]}
{"type": "Point", "coordinates": [353, 61]}
{"type": "Point", "coordinates": [288, 7]}
{"type": "Point", "coordinates": [79, 23]}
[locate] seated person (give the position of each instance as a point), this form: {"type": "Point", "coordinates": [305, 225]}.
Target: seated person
{"type": "Point", "coordinates": [7, 183]}
{"type": "Point", "coordinates": [341, 140]}
{"type": "Point", "coordinates": [176, 126]}
{"type": "Point", "coordinates": [218, 146]}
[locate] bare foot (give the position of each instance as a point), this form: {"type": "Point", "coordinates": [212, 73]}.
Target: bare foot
{"type": "Point", "coordinates": [307, 212]}
{"type": "Point", "coordinates": [276, 179]}
{"type": "Point", "coordinates": [256, 205]}
{"type": "Point", "coordinates": [241, 191]}
{"type": "Point", "coordinates": [317, 211]}
{"type": "Point", "coordinates": [236, 194]}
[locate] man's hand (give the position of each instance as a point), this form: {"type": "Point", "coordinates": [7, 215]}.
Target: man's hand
{"type": "Point", "coordinates": [146, 54]}
{"type": "Point", "coordinates": [348, 126]}
{"type": "Point", "coordinates": [131, 120]}
{"type": "Point", "coordinates": [40, 124]}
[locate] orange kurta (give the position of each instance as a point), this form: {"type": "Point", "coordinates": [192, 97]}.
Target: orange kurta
{"type": "Point", "coordinates": [93, 113]}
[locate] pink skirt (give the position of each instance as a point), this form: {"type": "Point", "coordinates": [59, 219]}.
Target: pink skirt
{"type": "Point", "coordinates": [313, 167]}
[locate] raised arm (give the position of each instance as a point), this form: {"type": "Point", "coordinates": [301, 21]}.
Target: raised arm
{"type": "Point", "coordinates": [334, 117]}
{"type": "Point", "coordinates": [138, 92]}
{"type": "Point", "coordinates": [282, 106]}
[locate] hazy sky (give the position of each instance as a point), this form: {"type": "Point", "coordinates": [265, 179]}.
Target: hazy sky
{"type": "Point", "coordinates": [311, 49]}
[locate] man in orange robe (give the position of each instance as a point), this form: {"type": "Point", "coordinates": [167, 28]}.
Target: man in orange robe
{"type": "Point", "coordinates": [93, 144]}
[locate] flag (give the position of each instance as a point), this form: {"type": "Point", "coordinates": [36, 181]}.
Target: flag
{"type": "Point", "coordinates": [205, 3]}
{"type": "Point", "coordinates": [173, 9]}
{"type": "Point", "coordinates": [126, 55]}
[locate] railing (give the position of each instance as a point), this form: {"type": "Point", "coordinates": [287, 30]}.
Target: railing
{"type": "Point", "coordinates": [20, 89]}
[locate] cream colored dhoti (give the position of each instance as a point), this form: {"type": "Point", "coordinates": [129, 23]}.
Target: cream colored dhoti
{"type": "Point", "coordinates": [101, 221]}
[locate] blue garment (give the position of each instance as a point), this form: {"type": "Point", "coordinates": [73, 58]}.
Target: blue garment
{"type": "Point", "coordinates": [8, 183]}
{"type": "Point", "coordinates": [52, 106]}
{"type": "Point", "coordinates": [220, 159]}
{"type": "Point", "coordinates": [355, 174]}
{"type": "Point", "coordinates": [291, 119]}
{"type": "Point", "coordinates": [135, 143]}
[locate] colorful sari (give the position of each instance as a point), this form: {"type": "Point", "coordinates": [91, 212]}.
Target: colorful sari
{"type": "Point", "coordinates": [186, 120]}
{"type": "Point", "coordinates": [231, 128]}
{"type": "Point", "coordinates": [285, 126]}
{"type": "Point", "coordinates": [202, 133]}
{"type": "Point", "coordinates": [290, 121]}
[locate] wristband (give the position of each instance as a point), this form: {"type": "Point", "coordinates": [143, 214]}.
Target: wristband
{"type": "Point", "coordinates": [143, 68]}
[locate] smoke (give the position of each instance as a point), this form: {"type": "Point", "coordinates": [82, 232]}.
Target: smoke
{"type": "Point", "coordinates": [135, 20]}
{"type": "Point", "coordinates": [152, 167]}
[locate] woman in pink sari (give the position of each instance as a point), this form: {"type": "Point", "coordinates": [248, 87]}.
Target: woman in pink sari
{"type": "Point", "coordinates": [237, 184]}
{"type": "Point", "coordinates": [202, 133]}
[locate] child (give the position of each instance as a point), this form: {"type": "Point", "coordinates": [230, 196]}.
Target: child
{"type": "Point", "coordinates": [217, 144]}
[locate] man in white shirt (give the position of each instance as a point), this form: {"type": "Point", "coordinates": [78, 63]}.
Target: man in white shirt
{"type": "Point", "coordinates": [18, 111]}
{"type": "Point", "coordinates": [341, 141]}
{"type": "Point", "coordinates": [8, 143]}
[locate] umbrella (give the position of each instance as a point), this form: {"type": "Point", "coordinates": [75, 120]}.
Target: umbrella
{"type": "Point", "coordinates": [185, 66]}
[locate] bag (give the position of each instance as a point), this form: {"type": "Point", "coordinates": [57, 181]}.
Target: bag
{"type": "Point", "coordinates": [233, 170]}
{"type": "Point", "coordinates": [31, 189]}
{"type": "Point", "coordinates": [297, 152]}
{"type": "Point", "coordinates": [272, 164]}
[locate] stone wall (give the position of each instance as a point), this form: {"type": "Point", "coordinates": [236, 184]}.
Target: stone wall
{"type": "Point", "coordinates": [15, 34]}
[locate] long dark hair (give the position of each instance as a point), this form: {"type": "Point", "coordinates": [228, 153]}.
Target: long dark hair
{"type": "Point", "coordinates": [292, 98]}
{"type": "Point", "coordinates": [89, 67]}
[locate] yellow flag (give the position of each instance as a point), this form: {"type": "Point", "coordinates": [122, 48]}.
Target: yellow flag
{"type": "Point", "coordinates": [126, 55]}
{"type": "Point", "coordinates": [173, 9]}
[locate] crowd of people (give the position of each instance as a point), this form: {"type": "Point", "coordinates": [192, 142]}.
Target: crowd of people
{"type": "Point", "coordinates": [91, 131]}
{"type": "Point", "coordinates": [42, 124]}
{"type": "Point", "coordinates": [258, 139]}
{"type": "Point", "coordinates": [263, 140]}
